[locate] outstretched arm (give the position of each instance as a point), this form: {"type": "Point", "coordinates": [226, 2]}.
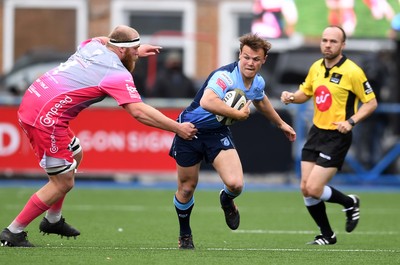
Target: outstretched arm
{"type": "Point", "coordinates": [148, 49]}
{"type": "Point", "coordinates": [265, 107]}
{"type": "Point", "coordinates": [150, 116]}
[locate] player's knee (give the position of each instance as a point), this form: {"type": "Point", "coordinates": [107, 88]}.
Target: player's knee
{"type": "Point", "coordinates": [312, 191]}
{"type": "Point", "coordinates": [63, 183]}
{"type": "Point", "coordinates": [235, 187]}
{"type": "Point", "coordinates": [186, 194]}
{"type": "Point", "coordinates": [67, 185]}
{"type": "Point", "coordinates": [186, 190]}
{"type": "Point", "coordinates": [233, 191]}
{"type": "Point", "coordinates": [304, 190]}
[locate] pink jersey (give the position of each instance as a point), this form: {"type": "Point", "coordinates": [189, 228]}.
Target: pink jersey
{"type": "Point", "coordinates": [88, 76]}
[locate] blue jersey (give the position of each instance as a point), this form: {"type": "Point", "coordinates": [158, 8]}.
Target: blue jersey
{"type": "Point", "coordinates": [222, 80]}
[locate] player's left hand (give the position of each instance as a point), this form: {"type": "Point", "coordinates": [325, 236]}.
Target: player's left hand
{"type": "Point", "coordinates": [147, 50]}
{"type": "Point", "coordinates": [343, 126]}
{"type": "Point", "coordinates": [289, 132]}
{"type": "Point", "coordinates": [187, 131]}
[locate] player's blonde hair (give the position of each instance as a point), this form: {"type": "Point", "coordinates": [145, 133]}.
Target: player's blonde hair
{"type": "Point", "coordinates": [123, 33]}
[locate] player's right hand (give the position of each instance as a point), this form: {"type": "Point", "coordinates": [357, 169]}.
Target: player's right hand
{"type": "Point", "coordinates": [186, 130]}
{"type": "Point", "coordinates": [287, 97]}
{"type": "Point", "coordinates": [245, 111]}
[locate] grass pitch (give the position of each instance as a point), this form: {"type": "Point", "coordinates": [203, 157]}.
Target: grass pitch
{"type": "Point", "coordinates": [133, 226]}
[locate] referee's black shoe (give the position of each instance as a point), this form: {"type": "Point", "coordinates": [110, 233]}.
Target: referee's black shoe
{"type": "Point", "coordinates": [323, 240]}
{"type": "Point", "coordinates": [352, 214]}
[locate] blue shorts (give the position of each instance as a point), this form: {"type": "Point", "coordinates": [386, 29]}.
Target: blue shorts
{"type": "Point", "coordinates": [206, 146]}
{"type": "Point", "coordinates": [327, 148]}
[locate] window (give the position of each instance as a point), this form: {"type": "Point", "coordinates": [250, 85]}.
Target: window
{"type": "Point", "coordinates": [151, 22]}
{"type": "Point", "coordinates": [234, 17]}
{"type": "Point", "coordinates": [39, 11]}
{"type": "Point", "coordinates": [170, 24]}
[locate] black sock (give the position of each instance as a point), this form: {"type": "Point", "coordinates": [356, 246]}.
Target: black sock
{"type": "Point", "coordinates": [340, 198]}
{"type": "Point", "coordinates": [226, 200]}
{"type": "Point", "coordinates": [318, 213]}
{"type": "Point", "coordinates": [184, 220]}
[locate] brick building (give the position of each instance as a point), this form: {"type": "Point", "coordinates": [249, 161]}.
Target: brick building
{"type": "Point", "coordinates": [205, 31]}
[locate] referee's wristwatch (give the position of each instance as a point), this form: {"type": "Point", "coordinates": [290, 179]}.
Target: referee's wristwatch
{"type": "Point", "coordinates": [351, 121]}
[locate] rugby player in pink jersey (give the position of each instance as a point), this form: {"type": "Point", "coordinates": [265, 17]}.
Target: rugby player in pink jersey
{"type": "Point", "coordinates": [99, 68]}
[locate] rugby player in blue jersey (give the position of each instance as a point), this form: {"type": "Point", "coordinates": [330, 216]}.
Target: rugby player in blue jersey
{"type": "Point", "coordinates": [213, 142]}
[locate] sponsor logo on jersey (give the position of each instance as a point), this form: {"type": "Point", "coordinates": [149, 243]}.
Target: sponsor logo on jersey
{"type": "Point", "coordinates": [336, 78]}
{"type": "Point", "coordinates": [133, 93]}
{"type": "Point", "coordinates": [41, 83]}
{"type": "Point", "coordinates": [48, 120]}
{"type": "Point", "coordinates": [33, 90]}
{"type": "Point", "coordinates": [327, 157]}
{"type": "Point", "coordinates": [225, 141]}
{"type": "Point", "coordinates": [323, 98]}
{"type": "Point", "coordinates": [131, 88]}
{"type": "Point", "coordinates": [227, 78]}
{"type": "Point", "coordinates": [53, 148]}
{"type": "Point", "coordinates": [221, 84]}
{"type": "Point", "coordinates": [367, 88]}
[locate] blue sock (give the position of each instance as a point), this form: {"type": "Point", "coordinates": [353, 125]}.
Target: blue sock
{"type": "Point", "coordinates": [183, 211]}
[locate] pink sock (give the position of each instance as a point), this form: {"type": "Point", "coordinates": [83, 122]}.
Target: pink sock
{"type": "Point", "coordinates": [33, 208]}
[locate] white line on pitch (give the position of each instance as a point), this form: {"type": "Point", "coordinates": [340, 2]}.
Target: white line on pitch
{"type": "Point", "coordinates": [323, 249]}
{"type": "Point", "coordinates": [304, 249]}
{"type": "Point", "coordinates": [310, 232]}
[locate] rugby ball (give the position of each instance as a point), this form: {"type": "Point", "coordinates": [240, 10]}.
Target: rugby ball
{"type": "Point", "coordinates": [235, 99]}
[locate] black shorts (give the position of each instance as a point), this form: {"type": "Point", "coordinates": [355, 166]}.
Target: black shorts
{"type": "Point", "coordinates": [327, 148]}
{"type": "Point", "coordinates": [206, 146]}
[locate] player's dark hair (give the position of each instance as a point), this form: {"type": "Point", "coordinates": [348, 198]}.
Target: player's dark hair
{"type": "Point", "coordinates": [255, 42]}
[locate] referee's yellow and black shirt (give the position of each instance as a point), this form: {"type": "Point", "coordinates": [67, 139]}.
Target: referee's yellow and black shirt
{"type": "Point", "coordinates": [336, 92]}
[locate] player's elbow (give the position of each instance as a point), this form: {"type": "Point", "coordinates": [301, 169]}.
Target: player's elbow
{"type": "Point", "coordinates": [373, 104]}
{"type": "Point", "coordinates": [134, 110]}
{"type": "Point", "coordinates": [205, 104]}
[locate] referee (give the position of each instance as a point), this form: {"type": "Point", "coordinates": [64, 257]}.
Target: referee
{"type": "Point", "coordinates": [337, 86]}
